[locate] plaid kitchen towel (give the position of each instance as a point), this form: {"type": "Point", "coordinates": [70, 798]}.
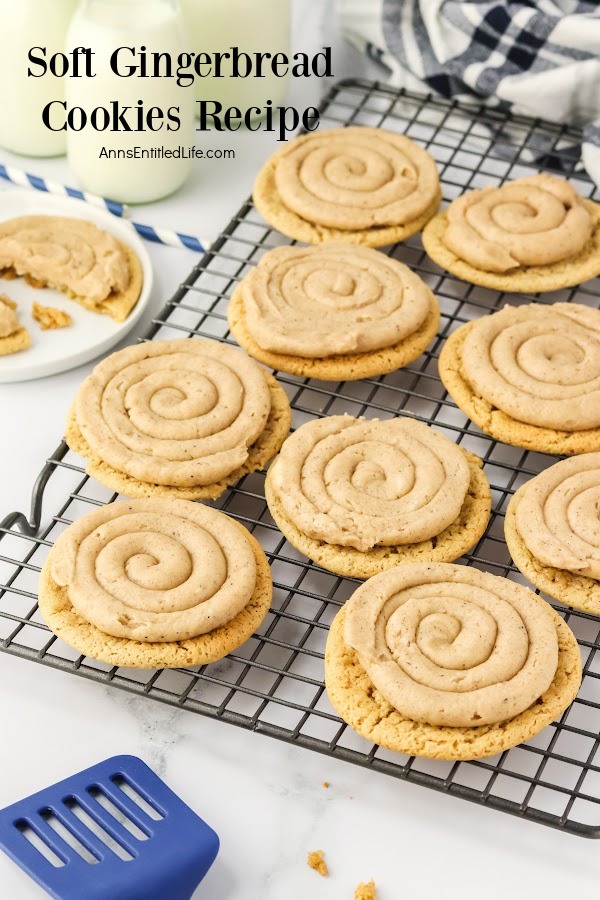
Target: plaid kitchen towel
{"type": "Point", "coordinates": [538, 57]}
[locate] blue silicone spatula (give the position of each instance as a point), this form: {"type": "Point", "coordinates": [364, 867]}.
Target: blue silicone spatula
{"type": "Point", "coordinates": [112, 832]}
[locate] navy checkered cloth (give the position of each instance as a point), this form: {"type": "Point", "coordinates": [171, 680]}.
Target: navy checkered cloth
{"type": "Point", "coordinates": [538, 57]}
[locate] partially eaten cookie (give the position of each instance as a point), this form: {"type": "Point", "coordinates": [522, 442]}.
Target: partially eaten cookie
{"type": "Point", "coordinates": [73, 256]}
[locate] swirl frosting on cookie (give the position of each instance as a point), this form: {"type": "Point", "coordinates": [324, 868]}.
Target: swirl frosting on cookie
{"type": "Point", "coordinates": [358, 483]}
{"type": "Point", "coordinates": [332, 299]}
{"type": "Point", "coordinates": [449, 645]}
{"type": "Point", "coordinates": [538, 364]}
{"type": "Point", "coordinates": [68, 254]}
{"type": "Point", "coordinates": [155, 570]}
{"type": "Point", "coordinates": [354, 178]}
{"type": "Point", "coordinates": [534, 221]}
{"type": "Point", "coordinates": [181, 412]}
{"type": "Point", "coordinates": [558, 516]}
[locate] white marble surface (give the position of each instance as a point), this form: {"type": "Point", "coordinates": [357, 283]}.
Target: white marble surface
{"type": "Point", "coordinates": [263, 797]}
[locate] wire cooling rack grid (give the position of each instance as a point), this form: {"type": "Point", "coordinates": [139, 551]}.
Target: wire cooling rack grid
{"type": "Point", "coordinates": [274, 683]}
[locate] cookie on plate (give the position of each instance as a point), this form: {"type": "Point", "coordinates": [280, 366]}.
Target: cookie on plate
{"type": "Point", "coordinates": [448, 662]}
{"type": "Point", "coordinates": [182, 418]}
{"type": "Point", "coordinates": [359, 496]}
{"type": "Point", "coordinates": [155, 583]}
{"type": "Point", "coordinates": [75, 257]}
{"type": "Point", "coordinates": [362, 185]}
{"type": "Point", "coordinates": [552, 531]}
{"type": "Point", "coordinates": [333, 312]}
{"type": "Point", "coordinates": [533, 234]}
{"type": "Point", "coordinates": [13, 336]}
{"type": "Point", "coordinates": [529, 376]}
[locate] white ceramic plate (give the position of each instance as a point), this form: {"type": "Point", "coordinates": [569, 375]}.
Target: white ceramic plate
{"type": "Point", "coordinates": [91, 334]}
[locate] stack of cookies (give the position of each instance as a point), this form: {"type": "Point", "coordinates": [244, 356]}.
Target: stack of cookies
{"type": "Point", "coordinates": [427, 657]}
{"type": "Point", "coordinates": [182, 418]}
{"type": "Point", "coordinates": [333, 312]}
{"type": "Point", "coordinates": [529, 376]}
{"type": "Point", "coordinates": [448, 662]}
{"type": "Point", "coordinates": [363, 185]}
{"type": "Point", "coordinates": [552, 531]}
{"type": "Point", "coordinates": [359, 497]}
{"type": "Point", "coordinates": [155, 583]}
{"type": "Point", "coordinates": [533, 234]}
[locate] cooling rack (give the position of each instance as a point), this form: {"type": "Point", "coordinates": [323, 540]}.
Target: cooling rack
{"type": "Point", "coordinates": [274, 683]}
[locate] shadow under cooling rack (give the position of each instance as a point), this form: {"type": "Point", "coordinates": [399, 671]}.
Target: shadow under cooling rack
{"type": "Point", "coordinates": [274, 683]}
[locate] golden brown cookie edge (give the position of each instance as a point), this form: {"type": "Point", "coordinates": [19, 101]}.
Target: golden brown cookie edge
{"type": "Point", "coordinates": [363, 708]}
{"type": "Point", "coordinates": [84, 637]}
{"type": "Point", "coordinates": [346, 367]}
{"type": "Point", "coordinates": [534, 279]}
{"type": "Point", "coordinates": [14, 343]}
{"type": "Point", "coordinates": [498, 424]}
{"type": "Point", "coordinates": [120, 305]}
{"type": "Point", "coordinates": [352, 563]}
{"type": "Point", "coordinates": [267, 445]}
{"type": "Point", "coordinates": [267, 201]}
{"type": "Point", "coordinates": [577, 591]}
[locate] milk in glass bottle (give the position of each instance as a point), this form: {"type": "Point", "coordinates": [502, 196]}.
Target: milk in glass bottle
{"type": "Point", "coordinates": [254, 26]}
{"type": "Point", "coordinates": [25, 24]}
{"type": "Point", "coordinates": [99, 158]}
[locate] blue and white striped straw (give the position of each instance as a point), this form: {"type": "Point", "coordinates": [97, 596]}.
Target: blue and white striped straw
{"type": "Point", "coordinates": [148, 232]}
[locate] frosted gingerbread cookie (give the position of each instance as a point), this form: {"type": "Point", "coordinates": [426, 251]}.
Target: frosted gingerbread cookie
{"type": "Point", "coordinates": [529, 376]}
{"type": "Point", "coordinates": [359, 496]}
{"type": "Point", "coordinates": [75, 257]}
{"type": "Point", "coordinates": [533, 234]}
{"type": "Point", "coordinates": [13, 336]}
{"type": "Point", "coordinates": [333, 312]}
{"type": "Point", "coordinates": [553, 533]}
{"type": "Point", "coordinates": [155, 583]}
{"type": "Point", "coordinates": [182, 418]}
{"type": "Point", "coordinates": [362, 185]}
{"type": "Point", "coordinates": [448, 662]}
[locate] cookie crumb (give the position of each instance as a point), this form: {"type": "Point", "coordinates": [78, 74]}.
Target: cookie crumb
{"type": "Point", "coordinates": [365, 891]}
{"type": "Point", "coordinates": [6, 301]}
{"type": "Point", "coordinates": [315, 861]}
{"type": "Point", "coordinates": [50, 317]}
{"type": "Point", "coordinates": [325, 784]}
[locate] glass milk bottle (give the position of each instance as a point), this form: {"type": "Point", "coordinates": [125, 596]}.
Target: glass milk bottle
{"type": "Point", "coordinates": [99, 158]}
{"type": "Point", "coordinates": [25, 24]}
{"type": "Point", "coordinates": [254, 26]}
